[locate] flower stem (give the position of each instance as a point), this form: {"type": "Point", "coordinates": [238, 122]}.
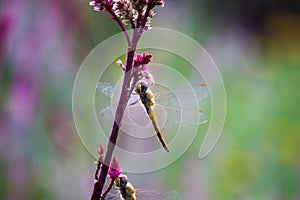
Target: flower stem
{"type": "Point", "coordinates": [97, 171]}
{"type": "Point", "coordinates": [124, 97]}
{"type": "Point", "coordinates": [98, 187]}
{"type": "Point", "coordinates": [149, 7]}
{"type": "Point", "coordinates": [126, 91]}
{"type": "Point", "coordinates": [114, 16]}
{"type": "Point", "coordinates": [108, 189]}
{"type": "Point", "coordinates": [142, 23]}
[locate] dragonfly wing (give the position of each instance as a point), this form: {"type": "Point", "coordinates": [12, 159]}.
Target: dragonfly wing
{"type": "Point", "coordinates": [154, 195]}
{"type": "Point", "coordinates": [106, 88]}
{"type": "Point", "coordinates": [113, 91]}
{"type": "Point", "coordinates": [167, 109]}
{"type": "Point", "coordinates": [183, 117]}
{"type": "Point", "coordinates": [143, 194]}
{"type": "Point", "coordinates": [138, 115]}
{"type": "Point", "coordinates": [148, 195]}
{"type": "Point", "coordinates": [193, 117]}
{"type": "Point", "coordinates": [184, 96]}
{"type": "Point", "coordinates": [201, 91]}
{"type": "Point", "coordinates": [134, 115]}
{"type": "Point", "coordinates": [108, 112]}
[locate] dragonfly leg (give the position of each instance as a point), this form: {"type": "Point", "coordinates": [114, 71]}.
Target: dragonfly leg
{"type": "Point", "coordinates": [133, 103]}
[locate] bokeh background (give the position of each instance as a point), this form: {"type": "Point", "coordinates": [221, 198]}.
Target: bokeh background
{"type": "Point", "coordinates": [256, 45]}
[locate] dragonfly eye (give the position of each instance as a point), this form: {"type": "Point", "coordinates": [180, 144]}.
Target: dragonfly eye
{"type": "Point", "coordinates": [144, 86]}
{"type": "Point", "coordinates": [122, 180]}
{"type": "Point", "coordinates": [123, 183]}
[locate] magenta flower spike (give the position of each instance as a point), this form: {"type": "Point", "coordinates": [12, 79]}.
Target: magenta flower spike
{"type": "Point", "coordinates": [114, 171]}
{"type": "Point", "coordinates": [142, 59]}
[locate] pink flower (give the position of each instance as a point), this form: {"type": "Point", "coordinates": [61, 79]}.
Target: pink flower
{"type": "Point", "coordinates": [142, 59]}
{"type": "Point", "coordinates": [92, 3]}
{"type": "Point", "coordinates": [114, 171]}
{"type": "Point", "coordinates": [101, 5]}
{"type": "Point", "coordinates": [145, 68]}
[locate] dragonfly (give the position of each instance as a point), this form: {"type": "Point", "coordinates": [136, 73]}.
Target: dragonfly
{"type": "Point", "coordinates": [160, 109]}
{"type": "Point", "coordinates": [147, 99]}
{"type": "Point", "coordinates": [123, 190]}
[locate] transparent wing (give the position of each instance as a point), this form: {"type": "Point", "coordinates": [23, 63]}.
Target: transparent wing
{"type": "Point", "coordinates": [142, 194]}
{"type": "Point", "coordinates": [108, 112]}
{"type": "Point", "coordinates": [147, 195]}
{"type": "Point", "coordinates": [138, 114]}
{"type": "Point", "coordinates": [201, 91]}
{"type": "Point", "coordinates": [184, 96]}
{"type": "Point", "coordinates": [106, 88]}
{"type": "Point", "coordinates": [167, 116]}
{"type": "Point", "coordinates": [133, 115]}
{"type": "Point", "coordinates": [175, 116]}
{"type": "Point", "coordinates": [167, 109]}
{"type": "Point", "coordinates": [151, 194]}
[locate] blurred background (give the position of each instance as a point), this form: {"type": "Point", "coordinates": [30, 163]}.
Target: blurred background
{"type": "Point", "coordinates": [256, 45]}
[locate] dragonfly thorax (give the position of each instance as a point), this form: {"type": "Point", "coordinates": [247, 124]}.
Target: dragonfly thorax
{"type": "Point", "coordinates": [126, 189]}
{"type": "Point", "coordinates": [146, 96]}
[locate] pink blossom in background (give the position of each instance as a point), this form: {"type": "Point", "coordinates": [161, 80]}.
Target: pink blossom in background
{"type": "Point", "coordinates": [37, 41]}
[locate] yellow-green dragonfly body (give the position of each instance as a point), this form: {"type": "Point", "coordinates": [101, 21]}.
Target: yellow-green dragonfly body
{"type": "Point", "coordinates": [147, 99]}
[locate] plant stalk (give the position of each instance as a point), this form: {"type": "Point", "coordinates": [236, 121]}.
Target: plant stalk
{"type": "Point", "coordinates": [98, 187]}
{"type": "Point", "coordinates": [124, 97]}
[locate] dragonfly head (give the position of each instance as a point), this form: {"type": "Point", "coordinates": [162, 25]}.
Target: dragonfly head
{"type": "Point", "coordinates": [121, 181]}
{"type": "Point", "coordinates": [141, 87]}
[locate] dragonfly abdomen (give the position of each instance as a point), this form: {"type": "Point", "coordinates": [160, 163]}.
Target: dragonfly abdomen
{"type": "Point", "coordinates": [157, 129]}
